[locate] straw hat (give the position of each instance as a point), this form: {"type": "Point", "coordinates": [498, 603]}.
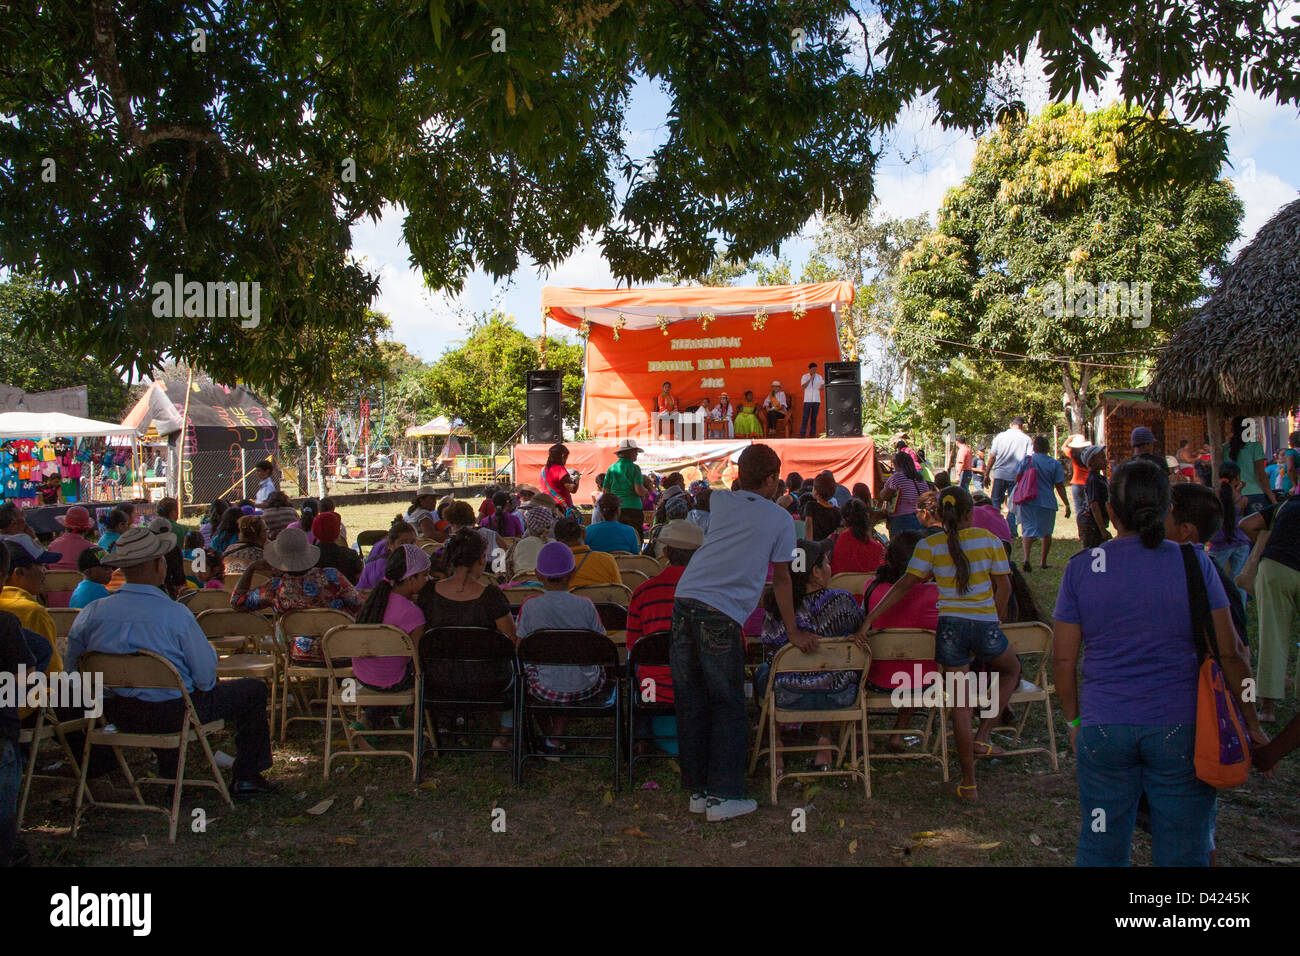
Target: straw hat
{"type": "Point", "coordinates": [291, 551]}
{"type": "Point", "coordinates": [681, 534]}
{"type": "Point", "coordinates": [137, 546]}
{"type": "Point", "coordinates": [1076, 441]}
{"type": "Point", "coordinates": [160, 526]}
{"type": "Point", "coordinates": [76, 519]}
{"type": "Point", "coordinates": [626, 445]}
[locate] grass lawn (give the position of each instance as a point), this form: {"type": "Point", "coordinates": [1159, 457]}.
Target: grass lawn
{"type": "Point", "coordinates": [566, 813]}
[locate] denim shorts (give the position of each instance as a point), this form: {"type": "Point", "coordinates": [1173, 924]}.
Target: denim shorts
{"type": "Point", "coordinates": [958, 639]}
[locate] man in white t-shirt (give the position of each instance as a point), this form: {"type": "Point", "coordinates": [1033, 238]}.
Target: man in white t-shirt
{"type": "Point", "coordinates": [775, 407]}
{"type": "Point", "coordinates": [1010, 448]}
{"type": "Point", "coordinates": [718, 591]}
{"type": "Point", "coordinates": [812, 401]}
{"type": "Point", "coordinates": [265, 486]}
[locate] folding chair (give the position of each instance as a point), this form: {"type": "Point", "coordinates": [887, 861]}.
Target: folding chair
{"type": "Point", "coordinates": [206, 599]}
{"type": "Point", "coordinates": [62, 580]}
{"type": "Point", "coordinates": [145, 669]}
{"type": "Point", "coordinates": [633, 578]}
{"type": "Point", "coordinates": [1030, 639]}
{"type": "Point", "coordinates": [256, 656]}
{"type": "Point", "coordinates": [573, 648]}
{"type": "Point", "coordinates": [649, 650]}
{"type": "Point", "coordinates": [348, 641]}
{"type": "Point", "coordinates": [517, 594]}
{"type": "Point", "coordinates": [309, 622]}
{"type": "Point", "coordinates": [231, 579]}
{"type": "Point", "coordinates": [908, 644]}
{"type": "Point", "coordinates": [48, 727]}
{"type": "Point", "coordinates": [613, 618]}
{"type": "Point", "coordinates": [638, 562]}
{"type": "Point", "coordinates": [459, 651]}
{"type": "Point", "coordinates": [854, 582]}
{"type": "Point", "coordinates": [63, 618]}
{"type": "Point", "coordinates": [368, 539]}
{"type": "Point", "coordinates": [612, 593]}
{"type": "Point", "coordinates": [829, 655]}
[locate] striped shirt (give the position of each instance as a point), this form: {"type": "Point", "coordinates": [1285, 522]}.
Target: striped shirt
{"type": "Point", "coordinates": [908, 492]}
{"type": "Point", "coordinates": [987, 557]}
{"type": "Point", "coordinates": [650, 610]}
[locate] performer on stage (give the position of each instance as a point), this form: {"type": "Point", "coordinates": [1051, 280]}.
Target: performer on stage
{"type": "Point", "coordinates": [724, 412]}
{"type": "Point", "coordinates": [747, 423]}
{"type": "Point", "coordinates": [812, 401]}
{"type": "Point", "coordinates": [665, 409]}
{"type": "Point", "coordinates": [775, 407]}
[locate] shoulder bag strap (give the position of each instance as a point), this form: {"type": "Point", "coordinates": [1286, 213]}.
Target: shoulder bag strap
{"type": "Point", "coordinates": [1199, 604]}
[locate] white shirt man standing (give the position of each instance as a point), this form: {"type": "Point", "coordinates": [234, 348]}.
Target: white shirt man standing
{"type": "Point", "coordinates": [1009, 449]}
{"type": "Point", "coordinates": [812, 401]}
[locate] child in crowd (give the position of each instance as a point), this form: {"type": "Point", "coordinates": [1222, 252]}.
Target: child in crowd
{"type": "Point", "coordinates": [212, 574]}
{"type": "Point", "coordinates": [95, 577]}
{"type": "Point", "coordinates": [971, 568]}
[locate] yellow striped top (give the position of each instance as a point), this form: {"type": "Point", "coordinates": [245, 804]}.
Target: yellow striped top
{"type": "Point", "coordinates": [987, 557]}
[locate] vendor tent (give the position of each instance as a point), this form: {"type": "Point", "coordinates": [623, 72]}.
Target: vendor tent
{"type": "Point", "coordinates": [227, 430]}
{"type": "Point", "coordinates": [436, 428]}
{"type": "Point", "coordinates": [56, 425]}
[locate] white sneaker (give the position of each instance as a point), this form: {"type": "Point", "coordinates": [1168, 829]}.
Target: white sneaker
{"type": "Point", "coordinates": [719, 809]}
{"type": "Point", "coordinates": [699, 802]}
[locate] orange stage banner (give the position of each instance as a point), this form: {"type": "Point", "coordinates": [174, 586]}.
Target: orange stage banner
{"type": "Point", "coordinates": [850, 460]}
{"type": "Point", "coordinates": [703, 340]}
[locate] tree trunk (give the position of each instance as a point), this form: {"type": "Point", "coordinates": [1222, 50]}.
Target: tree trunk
{"type": "Point", "coordinates": [1076, 406]}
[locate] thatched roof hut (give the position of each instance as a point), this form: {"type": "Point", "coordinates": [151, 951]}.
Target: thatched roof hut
{"type": "Point", "coordinates": [1238, 354]}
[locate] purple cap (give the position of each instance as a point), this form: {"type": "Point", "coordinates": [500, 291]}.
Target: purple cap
{"type": "Point", "coordinates": [555, 560]}
{"type": "Point", "coordinates": [1142, 436]}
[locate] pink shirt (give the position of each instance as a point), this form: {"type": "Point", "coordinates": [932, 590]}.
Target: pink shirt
{"type": "Point", "coordinates": [919, 608]}
{"type": "Point", "coordinates": [68, 545]}
{"type": "Point", "coordinates": [404, 615]}
{"type": "Point", "coordinates": [990, 519]}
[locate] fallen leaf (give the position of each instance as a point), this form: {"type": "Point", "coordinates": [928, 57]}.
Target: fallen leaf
{"type": "Point", "coordinates": [739, 844]}
{"type": "Point", "coordinates": [1035, 839]}
{"type": "Point", "coordinates": [607, 800]}
{"type": "Point", "coordinates": [321, 807]}
{"type": "Point", "coordinates": [429, 785]}
{"type": "Point", "coordinates": [662, 816]}
{"type": "Point", "coordinates": [923, 834]}
{"type": "Point", "coordinates": [297, 820]}
{"type": "Point", "coordinates": [583, 813]}
{"type": "Point", "coordinates": [988, 846]}
{"type": "Point", "coordinates": [636, 806]}
{"type": "Point", "coordinates": [356, 804]}
{"type": "Point", "coordinates": [635, 832]}
{"type": "Point", "coordinates": [650, 785]}
{"type": "Point", "coordinates": [812, 792]}
{"type": "Point", "coordinates": [853, 847]}
{"type": "Point", "coordinates": [346, 841]}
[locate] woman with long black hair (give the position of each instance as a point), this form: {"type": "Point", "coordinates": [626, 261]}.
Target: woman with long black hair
{"type": "Point", "coordinates": [1230, 546]}
{"type": "Point", "coordinates": [1133, 727]}
{"type": "Point", "coordinates": [904, 486]}
{"type": "Point", "coordinates": [556, 480]}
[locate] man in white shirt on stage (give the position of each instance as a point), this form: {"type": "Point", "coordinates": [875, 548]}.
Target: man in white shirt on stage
{"type": "Point", "coordinates": [775, 407]}
{"type": "Point", "coordinates": [812, 401]}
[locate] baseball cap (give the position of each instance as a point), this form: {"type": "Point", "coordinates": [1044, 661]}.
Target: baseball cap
{"type": "Point", "coordinates": [24, 552]}
{"type": "Point", "coordinates": [1142, 436]}
{"type": "Point", "coordinates": [814, 552]}
{"type": "Point", "coordinates": [90, 559]}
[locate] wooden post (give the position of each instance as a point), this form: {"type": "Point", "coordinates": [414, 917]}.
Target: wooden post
{"type": "Point", "coordinates": [542, 362]}
{"type": "Point", "coordinates": [1214, 428]}
{"type": "Point", "coordinates": [180, 466]}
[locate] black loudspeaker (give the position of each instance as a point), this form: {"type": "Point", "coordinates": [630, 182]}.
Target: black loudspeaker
{"type": "Point", "coordinates": [843, 399]}
{"type": "Point", "coordinates": [544, 417]}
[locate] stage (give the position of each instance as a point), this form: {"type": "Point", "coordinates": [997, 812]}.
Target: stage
{"type": "Point", "coordinates": [850, 460]}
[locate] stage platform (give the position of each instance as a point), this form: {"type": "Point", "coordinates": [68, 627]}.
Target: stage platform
{"type": "Point", "coordinates": [850, 459]}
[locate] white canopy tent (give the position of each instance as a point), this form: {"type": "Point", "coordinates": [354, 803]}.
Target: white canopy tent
{"type": "Point", "coordinates": [56, 425]}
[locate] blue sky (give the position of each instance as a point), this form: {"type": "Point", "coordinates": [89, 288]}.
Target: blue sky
{"type": "Point", "coordinates": [1264, 142]}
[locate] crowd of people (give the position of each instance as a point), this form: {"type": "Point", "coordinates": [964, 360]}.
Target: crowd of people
{"type": "Point", "coordinates": [755, 560]}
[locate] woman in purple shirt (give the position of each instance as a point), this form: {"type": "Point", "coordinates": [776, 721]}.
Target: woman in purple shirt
{"type": "Point", "coordinates": [1133, 726]}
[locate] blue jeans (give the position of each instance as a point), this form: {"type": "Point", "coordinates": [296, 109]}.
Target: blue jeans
{"type": "Point", "coordinates": [1257, 503]}
{"type": "Point", "coordinates": [907, 522]}
{"type": "Point", "coordinates": [1120, 762]}
{"type": "Point", "coordinates": [708, 660]}
{"type": "Point", "coordinates": [958, 639]}
{"type": "Point", "coordinates": [1078, 500]}
{"type": "Point", "coordinates": [11, 773]}
{"type": "Point", "coordinates": [810, 410]}
{"type": "Point", "coordinates": [966, 474]}
{"type": "Point", "coordinates": [1002, 488]}
{"type": "Point", "coordinates": [1232, 561]}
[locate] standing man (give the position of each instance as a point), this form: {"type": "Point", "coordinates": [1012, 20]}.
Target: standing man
{"type": "Point", "coordinates": [665, 409]}
{"type": "Point", "coordinates": [1009, 450]}
{"type": "Point", "coordinates": [812, 401]}
{"type": "Point", "coordinates": [775, 407]}
{"type": "Point", "coordinates": [719, 590]}
{"type": "Point", "coordinates": [1143, 441]}
{"type": "Point", "coordinates": [624, 479]}
{"type": "Point", "coordinates": [265, 486]}
{"type": "Point", "coordinates": [1073, 450]}
{"type": "Point", "coordinates": [962, 464]}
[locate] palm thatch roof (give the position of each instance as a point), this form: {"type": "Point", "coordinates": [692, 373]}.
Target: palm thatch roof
{"type": "Point", "coordinates": [1239, 351]}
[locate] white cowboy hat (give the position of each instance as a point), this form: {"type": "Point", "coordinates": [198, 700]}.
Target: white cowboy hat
{"type": "Point", "coordinates": [291, 551]}
{"type": "Point", "coordinates": [136, 546]}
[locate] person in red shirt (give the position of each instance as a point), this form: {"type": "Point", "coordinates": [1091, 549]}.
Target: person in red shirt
{"type": "Point", "coordinates": [920, 608]}
{"type": "Point", "coordinates": [651, 607]}
{"type": "Point", "coordinates": [556, 480]}
{"type": "Point", "coordinates": [1072, 449]}
{"type": "Point", "coordinates": [854, 547]}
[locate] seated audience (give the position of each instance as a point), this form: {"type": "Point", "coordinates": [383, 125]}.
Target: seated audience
{"type": "Point", "coordinates": [609, 533]}
{"type": "Point", "coordinates": [77, 524]}
{"type": "Point", "coordinates": [592, 567]}
{"type": "Point", "coordinates": [927, 511]}
{"type": "Point", "coordinates": [400, 532]}
{"type": "Point", "coordinates": [213, 573]}
{"type": "Point", "coordinates": [140, 617]}
{"type": "Point", "coordinates": [175, 583]}
{"type": "Point", "coordinates": [503, 519]}
{"type": "Point", "coordinates": [327, 507]}
{"type": "Point", "coordinates": [278, 515]}
{"type": "Point", "coordinates": [212, 520]}
{"type": "Point", "coordinates": [699, 515]}
{"type": "Point", "coordinates": [826, 612]}
{"type": "Point", "coordinates": [419, 516]}
{"type": "Point", "coordinates": [295, 583]}
{"type": "Point", "coordinates": [116, 523]}
{"type": "Point", "coordinates": [325, 528]}
{"type": "Point", "coordinates": [247, 550]}
{"type": "Point", "coordinates": [821, 515]}
{"type": "Point", "coordinates": [225, 534]}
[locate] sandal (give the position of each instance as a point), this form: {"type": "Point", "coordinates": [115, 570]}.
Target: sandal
{"type": "Point", "coordinates": [990, 750]}
{"type": "Point", "coordinates": [967, 792]}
